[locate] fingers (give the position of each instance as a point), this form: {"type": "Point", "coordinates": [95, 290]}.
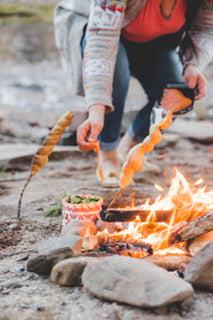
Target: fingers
{"type": "Point", "coordinates": [201, 87]}
{"type": "Point", "coordinates": [82, 136]}
{"type": "Point", "coordinates": [87, 134]}
{"type": "Point", "coordinates": [195, 79]}
{"type": "Point", "coordinates": [95, 131]}
{"type": "Point", "coordinates": [191, 79]}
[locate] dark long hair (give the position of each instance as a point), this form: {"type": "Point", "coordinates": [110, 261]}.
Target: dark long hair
{"type": "Point", "coordinates": [188, 44]}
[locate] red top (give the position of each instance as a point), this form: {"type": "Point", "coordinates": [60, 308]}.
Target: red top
{"type": "Point", "coordinates": [150, 22]}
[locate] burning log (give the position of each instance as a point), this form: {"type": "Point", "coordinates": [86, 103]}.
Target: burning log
{"type": "Point", "coordinates": [169, 262]}
{"type": "Point", "coordinates": [192, 229]}
{"type": "Point", "coordinates": [124, 215]}
{"type": "Point", "coordinates": [137, 249]}
{"type": "Point", "coordinates": [200, 242]}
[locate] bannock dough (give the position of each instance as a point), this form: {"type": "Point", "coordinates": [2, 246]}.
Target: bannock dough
{"type": "Point", "coordinates": [42, 155]}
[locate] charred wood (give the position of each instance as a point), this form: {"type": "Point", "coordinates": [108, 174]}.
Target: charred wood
{"type": "Point", "coordinates": [116, 215]}
{"type": "Point", "coordinates": [192, 229]}
{"type": "Point", "coordinates": [200, 242]}
{"type": "Point", "coordinates": [134, 249]}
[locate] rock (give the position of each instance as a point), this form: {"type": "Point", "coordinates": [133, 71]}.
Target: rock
{"type": "Point", "coordinates": [55, 245]}
{"type": "Point", "coordinates": [168, 262]}
{"type": "Point", "coordinates": [201, 131]}
{"type": "Point", "coordinates": [110, 226]}
{"type": "Point", "coordinates": [199, 272]}
{"type": "Point", "coordinates": [200, 242]}
{"type": "Point", "coordinates": [135, 282]}
{"type": "Point", "coordinates": [80, 227]}
{"type": "Point", "coordinates": [43, 264]}
{"type": "Point", "coordinates": [68, 272]}
{"type": "Point", "coordinates": [52, 251]}
{"type": "Point", "coordinates": [90, 243]}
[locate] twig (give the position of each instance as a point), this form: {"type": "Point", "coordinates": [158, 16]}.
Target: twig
{"type": "Point", "coordinates": [21, 195]}
{"type": "Point", "coordinates": [115, 198]}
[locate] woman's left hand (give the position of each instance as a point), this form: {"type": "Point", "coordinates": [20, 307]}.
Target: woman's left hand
{"type": "Point", "coordinates": [195, 79]}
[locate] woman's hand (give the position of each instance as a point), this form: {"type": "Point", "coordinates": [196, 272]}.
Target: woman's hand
{"type": "Point", "coordinates": [89, 130]}
{"type": "Point", "coordinates": [195, 79]}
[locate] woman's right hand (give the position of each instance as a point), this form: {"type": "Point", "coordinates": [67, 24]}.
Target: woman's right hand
{"type": "Point", "coordinates": [89, 130]}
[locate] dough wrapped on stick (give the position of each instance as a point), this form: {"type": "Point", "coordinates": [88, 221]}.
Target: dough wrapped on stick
{"type": "Point", "coordinates": [134, 161]}
{"type": "Point", "coordinates": [42, 155]}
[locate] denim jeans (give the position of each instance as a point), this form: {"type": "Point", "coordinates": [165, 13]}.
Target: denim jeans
{"type": "Point", "coordinates": [154, 64]}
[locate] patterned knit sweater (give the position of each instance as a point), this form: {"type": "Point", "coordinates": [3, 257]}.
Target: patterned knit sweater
{"type": "Point", "coordinates": [104, 20]}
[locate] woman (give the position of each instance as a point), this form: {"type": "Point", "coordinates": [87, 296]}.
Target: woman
{"type": "Point", "coordinates": [156, 41]}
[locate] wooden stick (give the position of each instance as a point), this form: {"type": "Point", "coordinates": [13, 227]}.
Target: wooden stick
{"type": "Point", "coordinates": [21, 195]}
{"type": "Point", "coordinates": [41, 157]}
{"type": "Point", "coordinates": [117, 195]}
{"type": "Point", "coordinates": [192, 229]}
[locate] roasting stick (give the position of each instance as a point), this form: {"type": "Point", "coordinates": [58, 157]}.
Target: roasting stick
{"type": "Point", "coordinates": [172, 101]}
{"type": "Point", "coordinates": [42, 155]}
{"type": "Point", "coordinates": [117, 195]}
{"type": "Point", "coordinates": [134, 161]}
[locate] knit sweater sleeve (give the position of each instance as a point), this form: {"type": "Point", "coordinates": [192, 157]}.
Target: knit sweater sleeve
{"type": "Point", "coordinates": [202, 32]}
{"type": "Point", "coordinates": [102, 39]}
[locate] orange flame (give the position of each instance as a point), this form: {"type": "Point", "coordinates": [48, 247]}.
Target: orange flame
{"type": "Point", "coordinates": [186, 201]}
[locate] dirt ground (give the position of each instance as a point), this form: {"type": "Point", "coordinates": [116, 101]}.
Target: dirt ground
{"type": "Point", "coordinates": [28, 296]}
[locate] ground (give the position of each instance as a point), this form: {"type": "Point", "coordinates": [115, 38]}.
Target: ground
{"type": "Point", "coordinates": [32, 85]}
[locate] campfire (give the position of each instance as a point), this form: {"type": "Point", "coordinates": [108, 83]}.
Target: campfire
{"type": "Point", "coordinates": [162, 227]}
{"type": "Point", "coordinates": [172, 232]}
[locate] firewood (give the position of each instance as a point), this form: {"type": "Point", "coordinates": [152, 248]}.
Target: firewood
{"type": "Point", "coordinates": [116, 215]}
{"type": "Point", "coordinates": [137, 249]}
{"type": "Point", "coordinates": [41, 157]}
{"type": "Point", "coordinates": [200, 242]}
{"type": "Point", "coordinates": [192, 229]}
{"type": "Point", "coordinates": [168, 262]}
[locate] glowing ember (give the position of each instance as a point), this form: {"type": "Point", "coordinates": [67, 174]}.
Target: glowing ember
{"type": "Point", "coordinates": [186, 201]}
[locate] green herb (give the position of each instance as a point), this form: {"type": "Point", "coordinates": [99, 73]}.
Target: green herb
{"type": "Point", "coordinates": [53, 212]}
{"type": "Point", "coordinates": [81, 200]}
{"type": "Point", "coordinates": [56, 210]}
{"type": "Point", "coordinates": [92, 199]}
{"type": "Point", "coordinates": [77, 199]}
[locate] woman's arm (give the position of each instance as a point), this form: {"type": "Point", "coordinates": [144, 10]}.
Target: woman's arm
{"type": "Point", "coordinates": [90, 129]}
{"type": "Point", "coordinates": [102, 39]}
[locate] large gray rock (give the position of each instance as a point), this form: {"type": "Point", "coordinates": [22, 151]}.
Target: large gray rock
{"type": "Point", "coordinates": [199, 272]}
{"type": "Point", "coordinates": [52, 251]}
{"type": "Point", "coordinates": [68, 272]}
{"type": "Point", "coordinates": [134, 282]}
{"type": "Point", "coordinates": [55, 245]}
